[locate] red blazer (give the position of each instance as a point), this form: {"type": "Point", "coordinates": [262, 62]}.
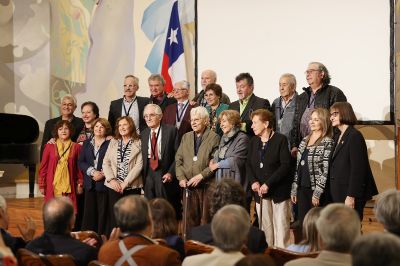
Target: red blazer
{"type": "Point", "coordinates": [48, 168]}
{"type": "Point", "coordinates": [169, 118]}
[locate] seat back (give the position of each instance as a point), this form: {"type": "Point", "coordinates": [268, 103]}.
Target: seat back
{"type": "Point", "coordinates": [193, 247]}
{"type": "Point", "coordinates": [28, 258]}
{"type": "Point", "coordinates": [281, 256]}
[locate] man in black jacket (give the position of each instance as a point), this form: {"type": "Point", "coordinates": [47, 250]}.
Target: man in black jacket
{"type": "Point", "coordinates": [318, 94]}
{"type": "Point", "coordinates": [129, 105]}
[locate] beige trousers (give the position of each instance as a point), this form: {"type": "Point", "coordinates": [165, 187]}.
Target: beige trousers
{"type": "Point", "coordinates": [275, 222]}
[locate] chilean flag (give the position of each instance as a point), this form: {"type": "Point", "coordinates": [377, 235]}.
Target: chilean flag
{"type": "Point", "coordinates": [173, 67]}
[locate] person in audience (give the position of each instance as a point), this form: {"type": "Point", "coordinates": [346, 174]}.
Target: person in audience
{"type": "Point", "coordinates": [27, 230]}
{"type": "Point", "coordinates": [129, 105]}
{"type": "Point", "coordinates": [208, 77]}
{"type": "Point", "coordinates": [7, 257]}
{"type": "Point", "coordinates": [248, 101]}
{"type": "Point", "coordinates": [91, 164]}
{"type": "Point", "coordinates": [350, 175]}
{"type": "Point", "coordinates": [319, 94]}
{"type": "Point", "coordinates": [310, 242]}
{"type": "Point", "coordinates": [165, 225]}
{"type": "Point", "coordinates": [308, 188]}
{"type": "Point", "coordinates": [284, 107]}
{"type": "Point", "coordinates": [159, 145]}
{"type": "Point", "coordinates": [221, 194]}
{"type": "Point", "coordinates": [192, 171]}
{"type": "Point", "coordinates": [338, 226]}
{"type": "Point", "coordinates": [376, 249]}
{"type": "Point", "coordinates": [58, 221]}
{"type": "Point", "coordinates": [67, 109]}
{"type": "Point", "coordinates": [90, 112]}
{"type": "Point", "coordinates": [59, 174]}
{"type": "Point", "coordinates": [213, 94]}
{"type": "Point", "coordinates": [230, 159]}
{"type": "Point", "coordinates": [256, 260]}
{"type": "Point", "coordinates": [122, 165]}
{"type": "Point", "coordinates": [158, 95]}
{"type": "Point", "coordinates": [268, 171]}
{"type": "Point", "coordinates": [178, 114]}
{"type": "Point", "coordinates": [230, 227]}
{"type": "Point", "coordinates": [387, 211]}
{"type": "Point", "coordinates": [135, 246]}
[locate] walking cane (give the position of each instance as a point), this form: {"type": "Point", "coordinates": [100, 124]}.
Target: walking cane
{"type": "Point", "coordinates": [260, 217]}
{"type": "Point", "coordinates": [186, 196]}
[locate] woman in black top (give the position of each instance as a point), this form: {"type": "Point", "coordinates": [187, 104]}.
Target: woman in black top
{"type": "Point", "coordinates": [268, 170]}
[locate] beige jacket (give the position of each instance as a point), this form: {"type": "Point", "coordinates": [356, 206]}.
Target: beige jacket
{"type": "Point", "coordinates": [134, 178]}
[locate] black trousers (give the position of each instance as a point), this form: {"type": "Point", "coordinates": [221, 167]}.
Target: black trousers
{"type": "Point", "coordinates": [95, 215]}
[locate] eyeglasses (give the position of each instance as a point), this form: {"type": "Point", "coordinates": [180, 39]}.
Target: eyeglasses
{"type": "Point", "coordinates": [310, 71]}
{"type": "Point", "coordinates": [183, 89]}
{"type": "Point", "coordinates": [130, 86]}
{"type": "Point", "coordinates": [334, 114]}
{"type": "Point", "coordinates": [149, 116]}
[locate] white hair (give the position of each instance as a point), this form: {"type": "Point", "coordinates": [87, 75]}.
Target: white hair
{"type": "Point", "coordinates": [3, 203]}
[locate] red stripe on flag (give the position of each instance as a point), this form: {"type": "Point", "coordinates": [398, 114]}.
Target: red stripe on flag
{"type": "Point", "coordinates": [164, 72]}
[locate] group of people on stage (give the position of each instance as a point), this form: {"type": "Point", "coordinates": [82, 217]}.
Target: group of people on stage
{"type": "Point", "coordinates": [302, 150]}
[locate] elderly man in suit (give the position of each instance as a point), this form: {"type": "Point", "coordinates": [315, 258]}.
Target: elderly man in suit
{"type": "Point", "coordinates": [159, 145]}
{"type": "Point", "coordinates": [248, 101]}
{"type": "Point", "coordinates": [134, 246]}
{"type": "Point", "coordinates": [178, 114]}
{"type": "Point", "coordinates": [129, 105]}
{"type": "Point", "coordinates": [158, 95]}
{"type": "Point", "coordinates": [338, 226]}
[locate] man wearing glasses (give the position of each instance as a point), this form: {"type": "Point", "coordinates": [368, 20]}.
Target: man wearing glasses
{"type": "Point", "coordinates": [319, 94]}
{"type": "Point", "coordinates": [129, 105]}
{"type": "Point", "coordinates": [178, 114]}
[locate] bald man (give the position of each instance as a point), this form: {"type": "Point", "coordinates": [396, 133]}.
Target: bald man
{"type": "Point", "coordinates": [207, 77]}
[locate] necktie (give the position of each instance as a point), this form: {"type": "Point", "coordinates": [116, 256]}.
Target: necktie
{"type": "Point", "coordinates": [180, 105]}
{"type": "Point", "coordinates": [154, 152]}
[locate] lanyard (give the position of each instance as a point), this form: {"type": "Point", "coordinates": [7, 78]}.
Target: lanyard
{"type": "Point", "coordinates": [96, 154]}
{"type": "Point", "coordinates": [122, 153]}
{"type": "Point", "coordinates": [130, 106]}
{"type": "Point", "coordinates": [283, 109]}
{"type": "Point", "coordinates": [179, 115]}
{"type": "Point", "coordinates": [261, 152]}
{"type": "Point", "coordinates": [153, 147]}
{"type": "Point", "coordinates": [196, 148]}
{"type": "Point", "coordinates": [65, 150]}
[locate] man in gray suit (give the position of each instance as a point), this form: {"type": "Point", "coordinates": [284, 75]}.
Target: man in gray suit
{"type": "Point", "coordinates": [338, 226]}
{"type": "Point", "coordinates": [159, 145]}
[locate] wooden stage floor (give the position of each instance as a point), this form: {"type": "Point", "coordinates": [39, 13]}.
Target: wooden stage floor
{"type": "Point", "coordinates": [18, 209]}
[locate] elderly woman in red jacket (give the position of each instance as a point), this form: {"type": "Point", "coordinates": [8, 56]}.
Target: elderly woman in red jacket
{"type": "Point", "coordinates": [59, 174]}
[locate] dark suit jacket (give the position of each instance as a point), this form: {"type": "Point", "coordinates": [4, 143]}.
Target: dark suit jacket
{"type": "Point", "coordinates": [253, 104]}
{"type": "Point", "coordinates": [256, 242]}
{"type": "Point", "coordinates": [350, 172]}
{"type": "Point", "coordinates": [14, 243]}
{"type": "Point", "coordinates": [169, 118]}
{"type": "Point", "coordinates": [63, 244]}
{"type": "Point", "coordinates": [164, 103]}
{"type": "Point", "coordinates": [86, 160]}
{"type": "Point", "coordinates": [115, 111]}
{"type": "Point", "coordinates": [49, 126]}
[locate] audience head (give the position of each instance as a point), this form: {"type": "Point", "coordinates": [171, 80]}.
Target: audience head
{"type": "Point", "coordinates": [132, 215]}
{"type": "Point", "coordinates": [317, 75]}
{"type": "Point", "coordinates": [319, 120]}
{"type": "Point", "coordinates": [387, 210]}
{"type": "Point", "coordinates": [342, 114]}
{"type": "Point", "coordinates": [156, 85]}
{"type": "Point", "coordinates": [58, 216]}
{"type": "Point", "coordinates": [68, 105]}
{"type": "Point", "coordinates": [338, 226]}
{"type": "Point", "coordinates": [213, 94]}
{"type": "Point", "coordinates": [199, 119]}
{"type": "Point", "coordinates": [287, 85]}
{"type": "Point", "coordinates": [63, 130]}
{"type": "Point", "coordinates": [225, 192]}
{"type": "Point", "coordinates": [131, 86]}
{"type": "Point", "coordinates": [181, 90]}
{"type": "Point", "coordinates": [230, 227]}
{"type": "Point", "coordinates": [4, 219]}
{"type": "Point", "coordinates": [229, 119]}
{"type": "Point", "coordinates": [244, 85]}
{"type": "Point", "coordinates": [152, 114]}
{"type": "Point", "coordinates": [101, 127]}
{"type": "Point", "coordinates": [125, 127]}
{"type": "Point", "coordinates": [262, 121]}
{"type": "Point", "coordinates": [256, 260]}
{"type": "Point", "coordinates": [90, 111]}
{"type": "Point", "coordinates": [207, 77]}
{"type": "Point", "coordinates": [164, 218]}
{"type": "Point", "coordinates": [376, 249]}
{"type": "Point", "coordinates": [310, 232]}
